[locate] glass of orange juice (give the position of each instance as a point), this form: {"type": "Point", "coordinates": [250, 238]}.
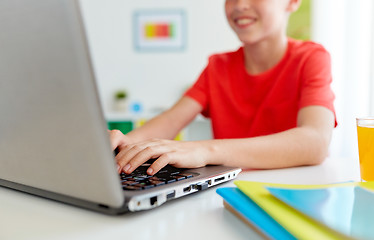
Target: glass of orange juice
{"type": "Point", "coordinates": [365, 135]}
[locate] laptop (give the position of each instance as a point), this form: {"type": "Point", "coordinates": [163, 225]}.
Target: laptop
{"type": "Point", "coordinates": [53, 136]}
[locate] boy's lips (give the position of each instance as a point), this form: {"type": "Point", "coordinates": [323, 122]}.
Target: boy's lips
{"type": "Point", "coordinates": [243, 22]}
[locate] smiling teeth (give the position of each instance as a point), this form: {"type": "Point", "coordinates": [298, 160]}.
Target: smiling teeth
{"type": "Point", "coordinates": [244, 21]}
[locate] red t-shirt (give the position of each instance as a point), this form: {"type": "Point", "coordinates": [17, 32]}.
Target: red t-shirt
{"type": "Point", "coordinates": [241, 105]}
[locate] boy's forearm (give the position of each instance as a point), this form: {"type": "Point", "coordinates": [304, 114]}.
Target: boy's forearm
{"type": "Point", "coordinates": [169, 123]}
{"type": "Point", "coordinates": [295, 147]}
{"type": "Point", "coordinates": [160, 126]}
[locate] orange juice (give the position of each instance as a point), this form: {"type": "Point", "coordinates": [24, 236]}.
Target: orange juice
{"type": "Point", "coordinates": [365, 136]}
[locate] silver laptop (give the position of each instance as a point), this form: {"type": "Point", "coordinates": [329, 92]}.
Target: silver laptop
{"type": "Point", "coordinates": [53, 137]}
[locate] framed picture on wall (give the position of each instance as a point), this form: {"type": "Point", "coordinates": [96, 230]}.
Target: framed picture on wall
{"type": "Point", "coordinates": [159, 30]}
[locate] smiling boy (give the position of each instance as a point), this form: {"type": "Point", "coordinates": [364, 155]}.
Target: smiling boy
{"type": "Point", "coordinates": [270, 102]}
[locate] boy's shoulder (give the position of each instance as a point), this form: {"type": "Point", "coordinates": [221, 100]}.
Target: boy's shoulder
{"type": "Point", "coordinates": [302, 47]}
{"type": "Point", "coordinates": [227, 57]}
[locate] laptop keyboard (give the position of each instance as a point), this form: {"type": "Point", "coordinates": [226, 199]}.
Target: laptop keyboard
{"type": "Point", "coordinates": [139, 179]}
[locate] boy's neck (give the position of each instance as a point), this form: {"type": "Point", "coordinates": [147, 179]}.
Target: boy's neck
{"type": "Point", "coordinates": [264, 55]}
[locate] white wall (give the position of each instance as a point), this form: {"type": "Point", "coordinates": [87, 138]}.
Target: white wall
{"type": "Point", "coordinates": [155, 79]}
{"type": "Point", "coordinates": [345, 28]}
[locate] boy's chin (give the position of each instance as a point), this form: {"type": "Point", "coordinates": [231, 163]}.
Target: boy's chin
{"type": "Point", "coordinates": [249, 42]}
{"type": "Point", "coordinates": [249, 39]}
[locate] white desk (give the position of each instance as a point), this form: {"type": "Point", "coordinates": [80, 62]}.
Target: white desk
{"type": "Point", "coordinates": [198, 216]}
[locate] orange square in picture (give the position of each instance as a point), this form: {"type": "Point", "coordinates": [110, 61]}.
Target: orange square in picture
{"type": "Point", "coordinates": [158, 30]}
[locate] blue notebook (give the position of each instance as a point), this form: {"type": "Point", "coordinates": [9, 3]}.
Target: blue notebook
{"type": "Point", "coordinates": [253, 214]}
{"type": "Point", "coordinates": [348, 210]}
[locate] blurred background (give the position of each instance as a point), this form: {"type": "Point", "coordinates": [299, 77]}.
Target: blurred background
{"type": "Point", "coordinates": [139, 75]}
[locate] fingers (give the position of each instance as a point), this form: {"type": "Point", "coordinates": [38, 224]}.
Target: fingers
{"type": "Point", "coordinates": [126, 156]}
{"type": "Point", "coordinates": [161, 162]}
{"type": "Point", "coordinates": [133, 156]}
{"type": "Point", "coordinates": [116, 138]}
{"type": "Point", "coordinates": [141, 157]}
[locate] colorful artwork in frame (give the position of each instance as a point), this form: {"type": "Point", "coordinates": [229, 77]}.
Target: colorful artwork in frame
{"type": "Point", "coordinates": [160, 30]}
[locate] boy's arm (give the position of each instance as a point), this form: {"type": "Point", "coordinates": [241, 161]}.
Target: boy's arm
{"type": "Point", "coordinates": [169, 123]}
{"type": "Point", "coordinates": [307, 144]}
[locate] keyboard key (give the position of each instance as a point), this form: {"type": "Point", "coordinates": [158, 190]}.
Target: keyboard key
{"type": "Point", "coordinates": [157, 179]}
{"type": "Point", "coordinates": [170, 180]}
{"type": "Point", "coordinates": [131, 188]}
{"type": "Point", "coordinates": [144, 185]}
{"type": "Point", "coordinates": [139, 184]}
{"type": "Point", "coordinates": [139, 178]}
{"type": "Point", "coordinates": [156, 182]}
{"type": "Point", "coordinates": [126, 177]}
{"type": "Point", "coordinates": [187, 175]}
{"type": "Point", "coordinates": [130, 179]}
{"type": "Point", "coordinates": [178, 177]}
{"type": "Point", "coordinates": [125, 183]}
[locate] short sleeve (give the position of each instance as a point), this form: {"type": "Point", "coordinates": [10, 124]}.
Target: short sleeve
{"type": "Point", "coordinates": [200, 91]}
{"type": "Point", "coordinates": [316, 83]}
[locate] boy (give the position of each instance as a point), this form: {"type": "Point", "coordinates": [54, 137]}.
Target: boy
{"type": "Point", "coordinates": [270, 102]}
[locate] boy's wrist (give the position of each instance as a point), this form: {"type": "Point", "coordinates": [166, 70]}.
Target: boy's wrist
{"type": "Point", "coordinates": [214, 152]}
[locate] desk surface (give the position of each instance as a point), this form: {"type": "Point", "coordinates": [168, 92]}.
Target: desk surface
{"type": "Point", "coordinates": [198, 216]}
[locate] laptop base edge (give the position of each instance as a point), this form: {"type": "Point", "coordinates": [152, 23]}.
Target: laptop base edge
{"type": "Point", "coordinates": [80, 203]}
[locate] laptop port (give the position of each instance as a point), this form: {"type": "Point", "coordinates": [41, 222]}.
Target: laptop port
{"type": "Point", "coordinates": [153, 200]}
{"type": "Point", "coordinates": [170, 195]}
{"type": "Point", "coordinates": [219, 179]}
{"type": "Point", "coordinates": [187, 189]}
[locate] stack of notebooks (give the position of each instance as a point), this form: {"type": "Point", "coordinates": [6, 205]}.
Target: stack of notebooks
{"type": "Point", "coordinates": [283, 211]}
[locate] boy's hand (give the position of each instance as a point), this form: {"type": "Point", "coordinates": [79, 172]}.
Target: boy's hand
{"type": "Point", "coordinates": [177, 153]}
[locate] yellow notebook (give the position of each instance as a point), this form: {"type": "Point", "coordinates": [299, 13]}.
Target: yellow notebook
{"type": "Point", "coordinates": [298, 224]}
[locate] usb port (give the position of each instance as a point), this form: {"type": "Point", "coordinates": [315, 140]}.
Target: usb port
{"type": "Point", "coordinates": [170, 195]}
{"type": "Point", "coordinates": [187, 189]}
